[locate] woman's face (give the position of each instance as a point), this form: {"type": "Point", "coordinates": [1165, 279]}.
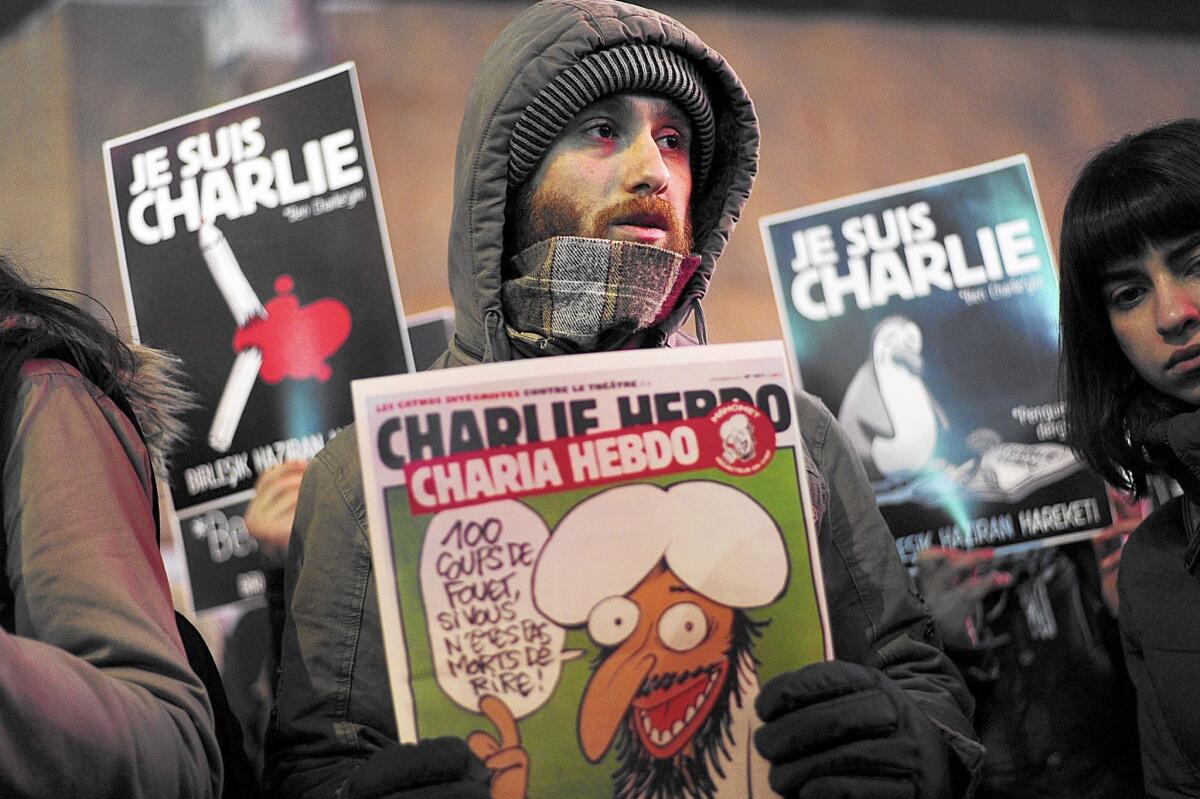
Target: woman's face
{"type": "Point", "coordinates": [1153, 304]}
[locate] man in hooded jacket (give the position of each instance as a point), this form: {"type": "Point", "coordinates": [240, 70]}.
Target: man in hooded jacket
{"type": "Point", "coordinates": [604, 157]}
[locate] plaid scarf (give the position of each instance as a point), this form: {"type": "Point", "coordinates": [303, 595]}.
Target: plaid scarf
{"type": "Point", "coordinates": [575, 294]}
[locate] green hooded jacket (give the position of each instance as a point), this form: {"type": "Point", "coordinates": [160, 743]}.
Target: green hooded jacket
{"type": "Point", "coordinates": [332, 708]}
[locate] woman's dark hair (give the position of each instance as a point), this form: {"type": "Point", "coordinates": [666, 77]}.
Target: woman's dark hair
{"type": "Point", "coordinates": [151, 380]}
{"type": "Point", "coordinates": [87, 339]}
{"type": "Point", "coordinates": [1142, 191]}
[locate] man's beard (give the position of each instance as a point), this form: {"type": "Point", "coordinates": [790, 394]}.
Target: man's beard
{"type": "Point", "coordinates": [537, 216]}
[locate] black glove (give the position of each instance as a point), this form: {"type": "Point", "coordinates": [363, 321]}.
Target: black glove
{"type": "Point", "coordinates": [437, 768]}
{"type": "Point", "coordinates": [837, 730]}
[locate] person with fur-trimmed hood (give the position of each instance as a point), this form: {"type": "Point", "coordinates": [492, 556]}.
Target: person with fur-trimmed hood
{"type": "Point", "coordinates": [604, 157]}
{"type": "Point", "coordinates": [97, 697]}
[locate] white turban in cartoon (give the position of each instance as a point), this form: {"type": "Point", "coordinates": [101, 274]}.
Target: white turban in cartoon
{"type": "Point", "coordinates": [718, 540]}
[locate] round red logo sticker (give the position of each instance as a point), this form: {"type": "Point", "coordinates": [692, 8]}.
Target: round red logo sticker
{"type": "Point", "coordinates": [746, 438]}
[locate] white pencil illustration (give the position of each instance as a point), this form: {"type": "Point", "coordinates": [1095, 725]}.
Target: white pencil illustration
{"type": "Point", "coordinates": [245, 306]}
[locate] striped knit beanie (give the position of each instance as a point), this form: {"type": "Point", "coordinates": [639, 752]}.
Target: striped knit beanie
{"type": "Point", "coordinates": [627, 68]}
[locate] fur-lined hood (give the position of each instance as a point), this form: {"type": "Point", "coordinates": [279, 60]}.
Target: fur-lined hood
{"type": "Point", "coordinates": [151, 383]}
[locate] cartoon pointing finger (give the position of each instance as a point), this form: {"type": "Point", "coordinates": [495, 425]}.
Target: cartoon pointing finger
{"type": "Point", "coordinates": [508, 762]}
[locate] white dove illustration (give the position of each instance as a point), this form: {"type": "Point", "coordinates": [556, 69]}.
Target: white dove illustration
{"type": "Point", "coordinates": [887, 411]}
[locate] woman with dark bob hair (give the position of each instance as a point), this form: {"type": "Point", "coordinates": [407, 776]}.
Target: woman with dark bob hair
{"type": "Point", "coordinates": [97, 697]}
{"type": "Point", "coordinates": [1130, 310]}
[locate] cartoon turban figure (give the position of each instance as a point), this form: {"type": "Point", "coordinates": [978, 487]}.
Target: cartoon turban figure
{"type": "Point", "coordinates": [737, 435]}
{"type": "Point", "coordinates": [887, 411]}
{"type": "Point", "coordinates": [662, 579]}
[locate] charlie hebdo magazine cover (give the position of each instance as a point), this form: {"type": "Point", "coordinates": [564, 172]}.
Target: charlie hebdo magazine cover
{"type": "Point", "coordinates": [587, 566]}
{"type": "Point", "coordinates": [925, 315]}
{"type": "Point", "coordinates": [252, 246]}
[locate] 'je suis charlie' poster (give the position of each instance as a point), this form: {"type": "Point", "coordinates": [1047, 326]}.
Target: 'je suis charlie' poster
{"type": "Point", "coordinates": [926, 316]}
{"type": "Point", "coordinates": [587, 566]}
{"type": "Point", "coordinates": [252, 246]}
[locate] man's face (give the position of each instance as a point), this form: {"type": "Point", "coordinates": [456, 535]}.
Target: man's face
{"type": "Point", "coordinates": [621, 170]}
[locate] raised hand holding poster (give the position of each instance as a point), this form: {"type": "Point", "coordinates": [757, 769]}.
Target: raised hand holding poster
{"type": "Point", "coordinates": [587, 566]}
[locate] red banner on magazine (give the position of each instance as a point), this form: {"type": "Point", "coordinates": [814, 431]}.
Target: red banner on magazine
{"type": "Point", "coordinates": [736, 437]}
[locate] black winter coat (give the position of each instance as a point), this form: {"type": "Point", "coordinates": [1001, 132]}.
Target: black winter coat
{"type": "Point", "coordinates": [1159, 585]}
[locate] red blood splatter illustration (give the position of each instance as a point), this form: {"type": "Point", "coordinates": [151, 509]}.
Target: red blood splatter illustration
{"type": "Point", "coordinates": [295, 341]}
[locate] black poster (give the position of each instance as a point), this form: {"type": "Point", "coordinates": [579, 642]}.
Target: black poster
{"type": "Point", "coordinates": [253, 247]}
